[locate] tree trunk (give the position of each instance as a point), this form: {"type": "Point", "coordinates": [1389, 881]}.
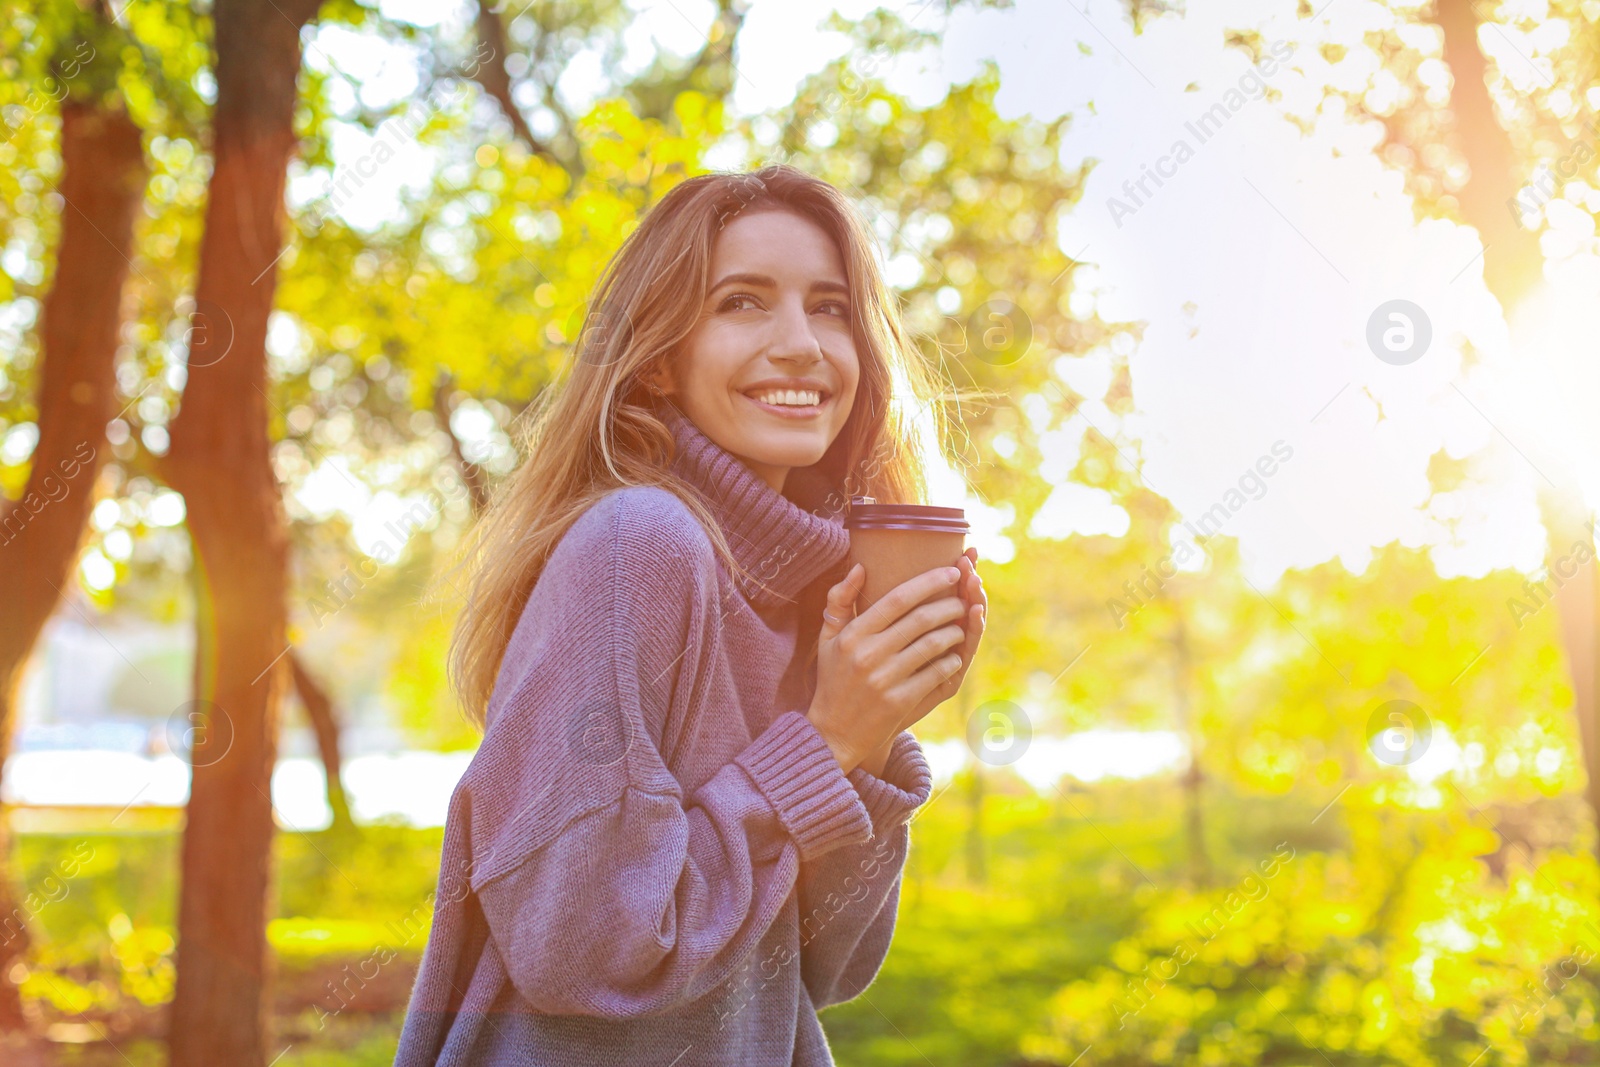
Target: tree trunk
{"type": "Point", "coordinates": [1577, 604]}
{"type": "Point", "coordinates": [1194, 777]}
{"type": "Point", "coordinates": [977, 874]}
{"type": "Point", "coordinates": [102, 184]}
{"type": "Point", "coordinates": [319, 709]}
{"type": "Point", "coordinates": [219, 460]}
{"type": "Point", "coordinates": [1512, 264]}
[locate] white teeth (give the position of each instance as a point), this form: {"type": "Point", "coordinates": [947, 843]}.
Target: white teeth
{"type": "Point", "coordinates": [790, 397]}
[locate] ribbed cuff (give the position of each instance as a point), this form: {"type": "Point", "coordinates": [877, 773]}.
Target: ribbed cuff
{"type": "Point", "coordinates": [905, 786]}
{"type": "Point", "coordinates": [796, 771]}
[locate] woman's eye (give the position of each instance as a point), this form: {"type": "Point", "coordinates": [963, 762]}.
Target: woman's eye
{"type": "Point", "coordinates": [843, 311]}
{"type": "Point", "coordinates": [727, 305]}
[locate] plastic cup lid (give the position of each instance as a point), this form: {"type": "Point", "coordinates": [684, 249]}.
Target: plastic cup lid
{"type": "Point", "coordinates": [864, 514]}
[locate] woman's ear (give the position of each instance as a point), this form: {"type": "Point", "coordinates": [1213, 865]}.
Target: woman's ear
{"type": "Point", "coordinates": [656, 379]}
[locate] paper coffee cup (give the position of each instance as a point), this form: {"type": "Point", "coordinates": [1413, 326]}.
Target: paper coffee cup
{"type": "Point", "coordinates": [896, 542]}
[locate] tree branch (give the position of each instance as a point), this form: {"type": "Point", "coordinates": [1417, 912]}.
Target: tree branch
{"type": "Point", "coordinates": [471, 473]}
{"type": "Point", "coordinates": [489, 71]}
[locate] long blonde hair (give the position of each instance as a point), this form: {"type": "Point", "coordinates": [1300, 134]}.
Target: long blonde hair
{"type": "Point", "coordinates": [597, 430]}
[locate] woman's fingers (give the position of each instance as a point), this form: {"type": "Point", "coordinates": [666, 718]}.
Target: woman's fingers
{"type": "Point", "coordinates": [972, 624]}
{"type": "Point", "coordinates": [910, 627]}
{"type": "Point", "coordinates": [841, 605]}
{"type": "Point", "coordinates": [977, 618]}
{"type": "Point", "coordinates": [889, 610]}
{"type": "Point", "coordinates": [931, 645]}
{"type": "Point", "coordinates": [977, 621]}
{"type": "Point", "coordinates": [940, 671]}
{"type": "Point", "coordinates": [942, 678]}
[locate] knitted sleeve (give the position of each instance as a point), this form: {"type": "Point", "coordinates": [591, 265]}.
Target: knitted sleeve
{"type": "Point", "coordinates": [607, 889]}
{"type": "Point", "coordinates": [848, 898]}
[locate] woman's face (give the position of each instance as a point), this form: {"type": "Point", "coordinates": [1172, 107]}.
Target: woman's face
{"type": "Point", "coordinates": [770, 370]}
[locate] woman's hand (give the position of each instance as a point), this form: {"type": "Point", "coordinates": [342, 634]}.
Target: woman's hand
{"type": "Point", "coordinates": [882, 671]}
{"type": "Point", "coordinates": [975, 621]}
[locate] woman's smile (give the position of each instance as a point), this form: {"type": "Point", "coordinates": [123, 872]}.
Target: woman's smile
{"type": "Point", "coordinates": [789, 398]}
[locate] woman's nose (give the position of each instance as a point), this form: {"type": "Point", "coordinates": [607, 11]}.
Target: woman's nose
{"type": "Point", "coordinates": [795, 338]}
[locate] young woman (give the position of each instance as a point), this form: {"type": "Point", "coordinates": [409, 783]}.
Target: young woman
{"type": "Point", "coordinates": [685, 828]}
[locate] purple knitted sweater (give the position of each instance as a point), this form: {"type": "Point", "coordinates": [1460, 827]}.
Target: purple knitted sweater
{"type": "Point", "coordinates": [653, 857]}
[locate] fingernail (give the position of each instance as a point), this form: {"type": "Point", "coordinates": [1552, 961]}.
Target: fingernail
{"type": "Point", "coordinates": [951, 574]}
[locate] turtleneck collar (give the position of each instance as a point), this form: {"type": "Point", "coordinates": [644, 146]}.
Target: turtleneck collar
{"type": "Point", "coordinates": [788, 539]}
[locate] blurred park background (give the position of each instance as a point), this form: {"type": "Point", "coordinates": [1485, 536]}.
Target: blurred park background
{"type": "Point", "coordinates": [1283, 745]}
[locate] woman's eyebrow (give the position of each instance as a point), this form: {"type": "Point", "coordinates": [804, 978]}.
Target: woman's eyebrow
{"type": "Point", "coordinates": [822, 286]}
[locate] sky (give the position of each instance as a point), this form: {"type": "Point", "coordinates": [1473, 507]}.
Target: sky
{"type": "Point", "coordinates": [1264, 265]}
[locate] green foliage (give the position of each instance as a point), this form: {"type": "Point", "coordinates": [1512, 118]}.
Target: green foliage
{"type": "Point", "coordinates": [1363, 933]}
{"type": "Point", "coordinates": [1332, 955]}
